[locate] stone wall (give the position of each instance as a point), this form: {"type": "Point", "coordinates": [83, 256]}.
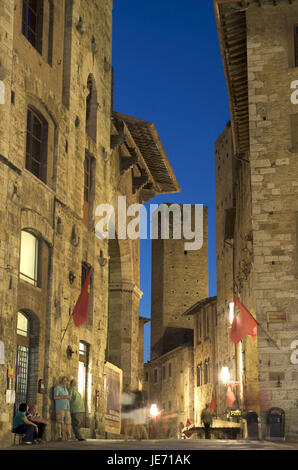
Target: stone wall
{"type": "Point", "coordinates": [274, 171]}
{"type": "Point", "coordinates": [32, 204]}
{"type": "Point", "coordinates": [171, 387]}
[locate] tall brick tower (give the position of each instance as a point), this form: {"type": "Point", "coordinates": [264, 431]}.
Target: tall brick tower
{"type": "Point", "coordinates": [179, 279]}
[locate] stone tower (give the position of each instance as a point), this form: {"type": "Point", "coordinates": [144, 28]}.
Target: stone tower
{"type": "Point", "coordinates": [179, 279]}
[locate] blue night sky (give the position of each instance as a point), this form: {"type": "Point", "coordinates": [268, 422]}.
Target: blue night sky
{"type": "Point", "coordinates": [168, 70]}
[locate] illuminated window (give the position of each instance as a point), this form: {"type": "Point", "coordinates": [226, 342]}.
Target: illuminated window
{"type": "Point", "coordinates": [32, 22]}
{"type": "Point", "coordinates": [83, 376]}
{"type": "Point", "coordinates": [29, 258]}
{"type": "Point", "coordinates": [22, 325]}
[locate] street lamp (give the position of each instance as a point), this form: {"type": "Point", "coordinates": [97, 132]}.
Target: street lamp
{"type": "Point", "coordinates": [225, 374]}
{"type": "Point", "coordinates": [231, 312]}
{"type": "Point", "coordinates": [154, 411]}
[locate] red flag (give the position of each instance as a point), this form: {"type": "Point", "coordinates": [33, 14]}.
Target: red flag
{"type": "Point", "coordinates": [230, 396]}
{"type": "Point", "coordinates": [80, 311]}
{"type": "Point", "coordinates": [213, 404]}
{"type": "Point", "coordinates": [243, 324]}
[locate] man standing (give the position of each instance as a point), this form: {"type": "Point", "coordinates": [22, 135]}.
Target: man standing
{"type": "Point", "coordinates": [62, 398]}
{"type": "Point", "coordinates": [206, 418]}
{"type": "Point", "coordinates": [77, 408]}
{"type": "Point", "coordinates": [33, 415]}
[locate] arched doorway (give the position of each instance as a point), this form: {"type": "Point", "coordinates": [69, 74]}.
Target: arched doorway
{"type": "Point", "coordinates": [26, 368]}
{"type": "Point", "coordinates": [22, 360]}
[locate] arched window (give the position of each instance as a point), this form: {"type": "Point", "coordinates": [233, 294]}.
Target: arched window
{"type": "Point", "coordinates": [36, 145]}
{"type": "Point", "coordinates": [91, 109]}
{"type": "Point", "coordinates": [29, 258]}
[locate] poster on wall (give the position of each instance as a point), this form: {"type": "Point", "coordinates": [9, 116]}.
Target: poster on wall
{"type": "Point", "coordinates": [113, 390]}
{"type": "Point", "coordinates": [1, 352]}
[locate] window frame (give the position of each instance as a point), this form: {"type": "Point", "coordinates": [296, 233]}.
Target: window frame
{"type": "Point", "coordinates": [296, 45]}
{"type": "Point", "coordinates": [33, 137]}
{"type": "Point", "coordinates": [199, 374]}
{"type": "Point", "coordinates": [36, 281]}
{"type": "Point", "coordinates": [27, 29]}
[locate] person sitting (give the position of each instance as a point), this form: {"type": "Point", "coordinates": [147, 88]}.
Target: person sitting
{"type": "Point", "coordinates": [33, 416]}
{"type": "Point", "coordinates": [22, 425]}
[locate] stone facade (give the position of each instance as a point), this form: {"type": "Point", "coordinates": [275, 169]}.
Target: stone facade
{"type": "Point", "coordinates": [179, 277]}
{"type": "Point", "coordinates": [204, 354]}
{"type": "Point", "coordinates": [169, 384]}
{"type": "Point", "coordinates": [62, 84]}
{"type": "Point", "coordinates": [263, 113]}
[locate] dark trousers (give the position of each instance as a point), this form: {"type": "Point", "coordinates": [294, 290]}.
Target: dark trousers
{"type": "Point", "coordinates": [26, 429]}
{"type": "Point", "coordinates": [41, 428]}
{"type": "Point", "coordinates": [76, 419]}
{"type": "Point", "coordinates": [207, 430]}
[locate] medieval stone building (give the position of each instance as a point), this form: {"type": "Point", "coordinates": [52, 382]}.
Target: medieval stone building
{"type": "Point", "coordinates": [257, 246]}
{"type": "Point", "coordinates": [62, 153]}
{"type": "Point", "coordinates": [205, 360]}
{"type": "Point", "coordinates": [179, 279]}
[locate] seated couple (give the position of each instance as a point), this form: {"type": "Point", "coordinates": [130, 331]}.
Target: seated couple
{"type": "Point", "coordinates": [27, 421]}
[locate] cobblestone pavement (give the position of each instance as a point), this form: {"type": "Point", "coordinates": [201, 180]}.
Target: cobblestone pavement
{"type": "Point", "coordinates": [159, 445]}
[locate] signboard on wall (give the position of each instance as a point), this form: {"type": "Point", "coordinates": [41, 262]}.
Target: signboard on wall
{"type": "Point", "coordinates": [113, 390]}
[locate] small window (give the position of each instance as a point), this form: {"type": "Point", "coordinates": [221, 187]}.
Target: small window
{"type": "Point", "coordinates": [36, 145]}
{"type": "Point", "coordinates": [85, 271]}
{"type": "Point", "coordinates": [87, 178]}
{"type": "Point", "coordinates": [296, 45]}
{"type": "Point", "coordinates": [206, 324]}
{"type": "Point", "coordinates": [155, 376]}
{"type": "Point", "coordinates": [170, 370]}
{"type": "Point", "coordinates": [146, 377]}
{"type": "Point", "coordinates": [199, 327]}
{"type": "Point", "coordinates": [199, 375]}
{"type": "Point", "coordinates": [22, 325]}
{"type": "Point", "coordinates": [206, 371]}
{"type": "Point", "coordinates": [87, 188]}
{"type": "Point", "coordinates": [91, 109]}
{"type": "Point", "coordinates": [29, 258]}
{"type": "Point", "coordinates": [294, 131]}
{"type": "Point", "coordinates": [51, 30]}
{"type": "Point", "coordinates": [170, 405]}
{"type": "Point", "coordinates": [32, 22]}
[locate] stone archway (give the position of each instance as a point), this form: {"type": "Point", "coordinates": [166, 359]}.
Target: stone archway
{"type": "Point", "coordinates": [123, 322]}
